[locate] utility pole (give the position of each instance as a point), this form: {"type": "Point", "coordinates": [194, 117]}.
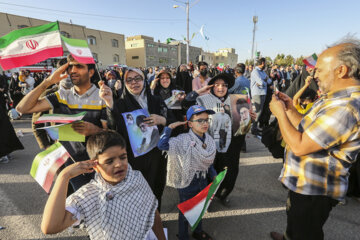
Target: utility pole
{"type": "Point", "coordinates": [187, 31]}
{"type": "Point", "coordinates": [255, 20]}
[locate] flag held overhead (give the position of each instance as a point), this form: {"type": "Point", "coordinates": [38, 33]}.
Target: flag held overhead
{"type": "Point", "coordinates": [30, 45]}
{"type": "Point", "coordinates": [79, 49]}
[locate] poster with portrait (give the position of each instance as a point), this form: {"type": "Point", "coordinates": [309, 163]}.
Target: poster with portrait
{"type": "Point", "coordinates": [240, 110]}
{"type": "Point", "coordinates": [221, 127]}
{"type": "Point", "coordinates": [143, 138]}
{"type": "Point", "coordinates": [173, 102]}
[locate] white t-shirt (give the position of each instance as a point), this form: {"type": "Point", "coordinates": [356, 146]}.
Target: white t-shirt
{"type": "Point", "coordinates": [30, 81]}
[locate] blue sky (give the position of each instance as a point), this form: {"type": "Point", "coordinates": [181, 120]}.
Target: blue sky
{"type": "Point", "coordinates": [289, 27]}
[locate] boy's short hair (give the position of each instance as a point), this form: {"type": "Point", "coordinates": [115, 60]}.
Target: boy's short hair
{"type": "Point", "coordinates": [101, 141]}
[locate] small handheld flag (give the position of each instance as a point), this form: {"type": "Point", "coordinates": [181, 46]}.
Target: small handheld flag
{"type": "Point", "coordinates": [310, 61]}
{"type": "Point", "coordinates": [46, 164]}
{"type": "Point", "coordinates": [195, 208]}
{"type": "Point", "coordinates": [79, 49]}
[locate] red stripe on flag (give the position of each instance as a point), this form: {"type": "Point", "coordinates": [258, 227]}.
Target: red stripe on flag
{"type": "Point", "coordinates": [55, 121]}
{"type": "Point", "coordinates": [189, 204]}
{"type": "Point", "coordinates": [51, 173]}
{"type": "Point", "coordinates": [305, 61]}
{"type": "Point", "coordinates": [14, 62]}
{"type": "Point", "coordinates": [85, 60]}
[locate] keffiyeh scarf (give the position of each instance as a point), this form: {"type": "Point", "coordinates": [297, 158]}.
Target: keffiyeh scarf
{"type": "Point", "coordinates": [124, 211]}
{"type": "Point", "coordinates": [186, 156]}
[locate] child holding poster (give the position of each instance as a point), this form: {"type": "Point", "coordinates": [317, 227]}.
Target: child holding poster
{"type": "Point", "coordinates": [190, 158]}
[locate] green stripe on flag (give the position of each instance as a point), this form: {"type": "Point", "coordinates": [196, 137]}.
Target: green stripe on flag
{"type": "Point", "coordinates": [75, 42]}
{"type": "Point", "coordinates": [41, 156]}
{"type": "Point", "coordinates": [16, 34]}
{"type": "Point", "coordinates": [314, 56]}
{"type": "Point", "coordinates": [213, 188]}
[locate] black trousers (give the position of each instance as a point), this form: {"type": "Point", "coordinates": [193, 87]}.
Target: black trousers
{"type": "Point", "coordinates": [229, 159]}
{"type": "Point", "coordinates": [354, 179]}
{"type": "Point", "coordinates": [306, 216]}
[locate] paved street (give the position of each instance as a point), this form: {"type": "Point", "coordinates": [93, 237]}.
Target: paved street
{"type": "Point", "coordinates": [258, 201]}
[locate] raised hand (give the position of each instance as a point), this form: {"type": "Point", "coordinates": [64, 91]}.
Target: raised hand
{"type": "Point", "coordinates": [85, 128]}
{"type": "Point", "coordinates": [176, 124]}
{"type": "Point", "coordinates": [105, 93]}
{"type": "Point", "coordinates": [58, 75]}
{"type": "Point", "coordinates": [78, 168]}
{"type": "Point", "coordinates": [204, 89]}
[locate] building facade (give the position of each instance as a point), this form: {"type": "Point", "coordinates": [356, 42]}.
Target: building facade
{"type": "Point", "coordinates": [143, 51]}
{"type": "Point", "coordinates": [207, 57]}
{"type": "Point", "coordinates": [107, 48]}
{"type": "Point", "coordinates": [226, 56]}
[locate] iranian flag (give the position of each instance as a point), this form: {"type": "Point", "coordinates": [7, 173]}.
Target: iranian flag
{"type": "Point", "coordinates": [311, 61]}
{"type": "Point", "coordinates": [30, 45]}
{"type": "Point", "coordinates": [46, 164]}
{"type": "Point", "coordinates": [79, 49]}
{"type": "Point", "coordinates": [195, 208]}
{"type": "Point", "coordinates": [60, 118]}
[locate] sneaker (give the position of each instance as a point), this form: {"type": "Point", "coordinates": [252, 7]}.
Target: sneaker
{"type": "Point", "coordinates": [4, 159]}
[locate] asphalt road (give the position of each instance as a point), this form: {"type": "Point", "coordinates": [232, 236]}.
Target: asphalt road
{"type": "Point", "coordinates": [257, 202]}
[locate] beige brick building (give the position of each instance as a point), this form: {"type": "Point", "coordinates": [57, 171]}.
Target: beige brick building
{"type": "Point", "coordinates": [107, 48]}
{"type": "Point", "coordinates": [143, 51]}
{"type": "Point", "coordinates": [207, 57]}
{"type": "Point", "coordinates": [227, 56]}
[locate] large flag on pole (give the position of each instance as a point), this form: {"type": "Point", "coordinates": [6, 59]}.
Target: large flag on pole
{"type": "Point", "coordinates": [30, 45]}
{"type": "Point", "coordinates": [46, 164]}
{"type": "Point", "coordinates": [310, 61]}
{"type": "Point", "coordinates": [195, 208]}
{"type": "Point", "coordinates": [79, 49]}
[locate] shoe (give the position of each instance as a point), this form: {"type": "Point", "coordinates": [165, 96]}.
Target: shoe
{"type": "Point", "coordinates": [276, 236]}
{"type": "Point", "coordinates": [225, 202]}
{"type": "Point", "coordinates": [4, 159]}
{"type": "Point", "coordinates": [343, 202]}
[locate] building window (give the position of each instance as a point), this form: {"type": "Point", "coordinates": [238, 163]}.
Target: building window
{"type": "Point", "coordinates": [222, 57]}
{"type": "Point", "coordinates": [135, 57]}
{"type": "Point", "coordinates": [151, 57]}
{"type": "Point", "coordinates": [91, 40]}
{"type": "Point", "coordinates": [165, 50]}
{"type": "Point", "coordinates": [173, 49]}
{"type": "Point", "coordinates": [114, 43]}
{"type": "Point", "coordinates": [65, 34]}
{"type": "Point", "coordinates": [95, 57]}
{"type": "Point", "coordinates": [159, 49]}
{"type": "Point", "coordinates": [116, 58]}
{"type": "Point", "coordinates": [150, 45]}
{"type": "Point", "coordinates": [134, 45]}
{"type": "Point", "coordinates": [22, 26]}
{"type": "Point", "coordinates": [217, 58]}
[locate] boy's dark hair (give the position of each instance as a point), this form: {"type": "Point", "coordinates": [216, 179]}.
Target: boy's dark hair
{"type": "Point", "coordinates": [309, 94]}
{"type": "Point", "coordinates": [202, 64]}
{"type": "Point", "coordinates": [140, 119]}
{"type": "Point", "coordinates": [101, 141]}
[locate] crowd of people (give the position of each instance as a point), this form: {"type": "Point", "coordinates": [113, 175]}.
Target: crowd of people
{"type": "Point", "coordinates": [117, 193]}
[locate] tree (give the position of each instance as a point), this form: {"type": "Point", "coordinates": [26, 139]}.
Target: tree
{"type": "Point", "coordinates": [289, 60]}
{"type": "Point", "coordinates": [249, 62]}
{"type": "Point", "coordinates": [269, 60]}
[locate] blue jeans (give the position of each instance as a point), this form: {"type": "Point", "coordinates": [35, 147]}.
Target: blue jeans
{"type": "Point", "coordinates": [198, 183]}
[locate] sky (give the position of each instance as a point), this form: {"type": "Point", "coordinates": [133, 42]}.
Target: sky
{"type": "Point", "coordinates": [288, 27]}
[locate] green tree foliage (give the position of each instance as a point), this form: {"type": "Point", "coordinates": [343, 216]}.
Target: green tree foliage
{"type": "Point", "coordinates": [299, 61]}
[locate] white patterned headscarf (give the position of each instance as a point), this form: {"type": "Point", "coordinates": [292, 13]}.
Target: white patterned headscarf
{"type": "Point", "coordinates": [124, 211]}
{"type": "Point", "coordinates": [187, 155]}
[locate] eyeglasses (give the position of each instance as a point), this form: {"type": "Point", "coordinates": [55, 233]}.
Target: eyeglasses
{"type": "Point", "coordinates": [225, 85]}
{"type": "Point", "coordinates": [202, 121]}
{"type": "Point", "coordinates": [136, 79]}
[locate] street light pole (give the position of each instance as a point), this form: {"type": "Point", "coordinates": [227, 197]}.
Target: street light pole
{"type": "Point", "coordinates": [187, 31]}
{"type": "Point", "coordinates": [255, 20]}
